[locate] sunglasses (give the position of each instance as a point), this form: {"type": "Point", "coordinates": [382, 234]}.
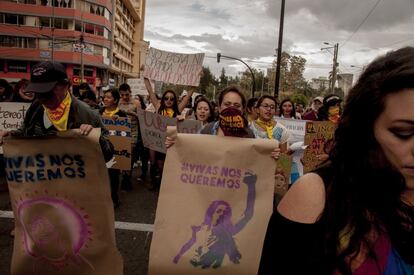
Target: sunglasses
{"type": "Point", "coordinates": [167, 98]}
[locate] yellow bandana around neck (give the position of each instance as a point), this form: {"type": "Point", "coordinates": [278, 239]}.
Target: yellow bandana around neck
{"type": "Point", "coordinates": [59, 116]}
{"type": "Point", "coordinates": [168, 112]}
{"type": "Point", "coordinates": [110, 113]}
{"type": "Point", "coordinates": [268, 126]}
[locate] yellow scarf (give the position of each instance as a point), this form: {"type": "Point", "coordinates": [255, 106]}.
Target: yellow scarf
{"type": "Point", "coordinates": [268, 126]}
{"type": "Point", "coordinates": [168, 112]}
{"type": "Point", "coordinates": [59, 116]}
{"type": "Point", "coordinates": [110, 113]}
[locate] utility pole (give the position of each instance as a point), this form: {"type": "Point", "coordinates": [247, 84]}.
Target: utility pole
{"type": "Point", "coordinates": [279, 49]}
{"type": "Point", "coordinates": [53, 30]}
{"type": "Point", "coordinates": [334, 66]}
{"type": "Point", "coordinates": [81, 40]}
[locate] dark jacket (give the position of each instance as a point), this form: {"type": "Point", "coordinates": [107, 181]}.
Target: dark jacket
{"type": "Point", "coordinates": [79, 113]}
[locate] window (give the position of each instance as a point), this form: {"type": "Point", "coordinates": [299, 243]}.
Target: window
{"type": "Point", "coordinates": [17, 66]}
{"type": "Point", "coordinates": [86, 71]}
{"type": "Point", "coordinates": [13, 19]}
{"type": "Point", "coordinates": [78, 26]}
{"type": "Point", "coordinates": [61, 23]}
{"type": "Point", "coordinates": [44, 22]}
{"type": "Point", "coordinates": [99, 30]}
{"type": "Point", "coordinates": [17, 42]}
{"type": "Point", "coordinates": [89, 28]}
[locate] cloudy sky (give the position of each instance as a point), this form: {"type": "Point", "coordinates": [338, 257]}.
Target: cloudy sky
{"type": "Point", "coordinates": [248, 29]}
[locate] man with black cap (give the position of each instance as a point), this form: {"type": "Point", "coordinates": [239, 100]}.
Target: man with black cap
{"type": "Point", "coordinates": [55, 109]}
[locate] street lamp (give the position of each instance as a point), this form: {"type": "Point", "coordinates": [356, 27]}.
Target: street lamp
{"type": "Point", "coordinates": [219, 55]}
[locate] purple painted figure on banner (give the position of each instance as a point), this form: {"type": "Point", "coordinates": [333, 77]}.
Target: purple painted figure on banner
{"type": "Point", "coordinates": [213, 239]}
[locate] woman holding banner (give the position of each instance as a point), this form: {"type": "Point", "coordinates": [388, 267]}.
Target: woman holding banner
{"type": "Point", "coordinates": [111, 110]}
{"type": "Point", "coordinates": [355, 214]}
{"type": "Point", "coordinates": [169, 107]}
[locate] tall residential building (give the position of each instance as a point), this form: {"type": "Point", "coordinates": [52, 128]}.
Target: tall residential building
{"type": "Point", "coordinates": [129, 48]}
{"type": "Point", "coordinates": [78, 33]}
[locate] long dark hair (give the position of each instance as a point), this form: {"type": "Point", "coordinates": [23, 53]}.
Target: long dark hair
{"type": "Point", "coordinates": [364, 190]}
{"type": "Point", "coordinates": [292, 113]}
{"type": "Point", "coordinates": [174, 106]}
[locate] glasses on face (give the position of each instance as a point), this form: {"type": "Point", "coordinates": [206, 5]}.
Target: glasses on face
{"type": "Point", "coordinates": [265, 106]}
{"type": "Point", "coordinates": [169, 98]}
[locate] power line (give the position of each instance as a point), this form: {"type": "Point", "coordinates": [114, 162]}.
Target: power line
{"type": "Point", "coordinates": [362, 23]}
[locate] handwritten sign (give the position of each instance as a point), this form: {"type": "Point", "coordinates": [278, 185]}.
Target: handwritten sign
{"type": "Point", "coordinates": [120, 137]}
{"type": "Point", "coordinates": [319, 138]}
{"type": "Point", "coordinates": [296, 128]}
{"type": "Point", "coordinates": [137, 86]}
{"type": "Point", "coordinates": [175, 68]}
{"type": "Point", "coordinates": [12, 115]}
{"type": "Point", "coordinates": [282, 176]}
{"type": "Point", "coordinates": [154, 129]}
{"type": "Point", "coordinates": [189, 126]}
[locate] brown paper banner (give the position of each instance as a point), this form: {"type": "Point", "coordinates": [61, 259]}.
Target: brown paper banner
{"type": "Point", "coordinates": [282, 176]}
{"type": "Point", "coordinates": [120, 137]}
{"type": "Point", "coordinates": [214, 206]}
{"type": "Point", "coordinates": [319, 140]}
{"type": "Point", "coordinates": [59, 190]}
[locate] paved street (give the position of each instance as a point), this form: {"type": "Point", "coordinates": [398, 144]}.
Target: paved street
{"type": "Point", "coordinates": [137, 206]}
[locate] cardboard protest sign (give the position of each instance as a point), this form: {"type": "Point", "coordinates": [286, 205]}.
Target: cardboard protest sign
{"type": "Point", "coordinates": [12, 115]}
{"type": "Point", "coordinates": [214, 206]}
{"type": "Point", "coordinates": [189, 126]}
{"type": "Point", "coordinates": [319, 140]}
{"type": "Point", "coordinates": [154, 129]}
{"type": "Point", "coordinates": [296, 128]}
{"type": "Point", "coordinates": [138, 87]}
{"type": "Point", "coordinates": [59, 191]}
{"type": "Point", "coordinates": [282, 176]}
{"type": "Point", "coordinates": [175, 68]}
{"type": "Point", "coordinates": [120, 137]}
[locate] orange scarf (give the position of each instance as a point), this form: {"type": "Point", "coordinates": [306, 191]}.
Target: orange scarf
{"type": "Point", "coordinates": [59, 116]}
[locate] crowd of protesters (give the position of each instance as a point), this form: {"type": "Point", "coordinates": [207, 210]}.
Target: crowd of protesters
{"type": "Point", "coordinates": [359, 205]}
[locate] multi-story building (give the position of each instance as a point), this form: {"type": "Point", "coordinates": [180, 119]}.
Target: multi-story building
{"type": "Point", "coordinates": [37, 30]}
{"type": "Point", "coordinates": [320, 83]}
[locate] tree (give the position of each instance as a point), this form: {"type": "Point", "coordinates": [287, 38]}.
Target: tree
{"type": "Point", "coordinates": [292, 68]}
{"type": "Point", "coordinates": [206, 80]}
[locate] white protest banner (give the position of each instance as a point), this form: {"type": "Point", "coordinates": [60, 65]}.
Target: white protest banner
{"type": "Point", "coordinates": [120, 136]}
{"type": "Point", "coordinates": [154, 129]}
{"type": "Point", "coordinates": [296, 127]}
{"type": "Point", "coordinates": [189, 126]}
{"type": "Point", "coordinates": [175, 68]}
{"type": "Point", "coordinates": [214, 206]}
{"type": "Point", "coordinates": [138, 87]}
{"type": "Point", "coordinates": [12, 115]}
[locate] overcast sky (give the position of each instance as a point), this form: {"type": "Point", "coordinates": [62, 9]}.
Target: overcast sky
{"type": "Point", "coordinates": [249, 29]}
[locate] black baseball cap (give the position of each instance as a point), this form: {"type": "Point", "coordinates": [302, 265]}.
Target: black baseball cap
{"type": "Point", "coordinates": [45, 76]}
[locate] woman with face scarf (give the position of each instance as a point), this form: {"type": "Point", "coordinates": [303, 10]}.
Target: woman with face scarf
{"type": "Point", "coordinates": [331, 109]}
